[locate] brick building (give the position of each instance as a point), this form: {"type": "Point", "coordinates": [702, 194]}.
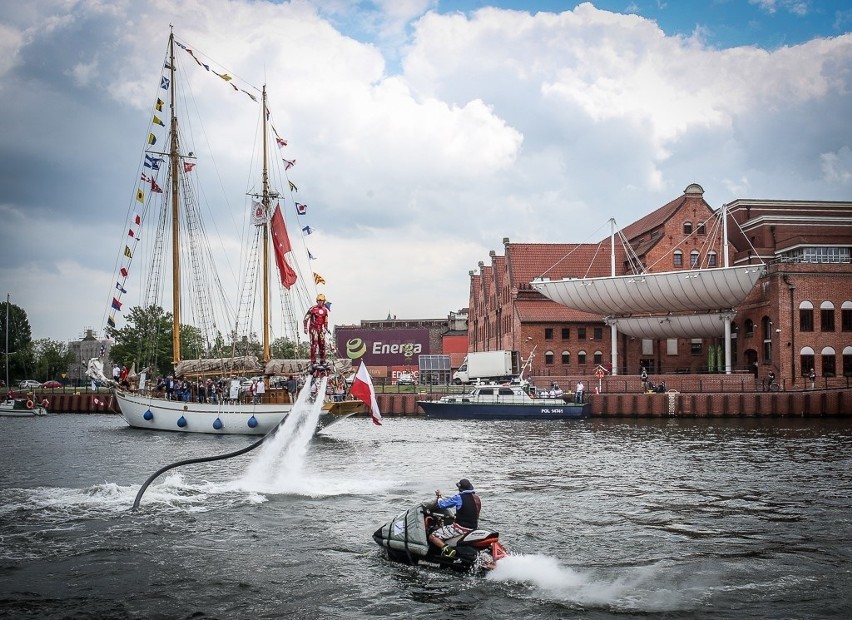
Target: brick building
{"type": "Point", "coordinates": [805, 245]}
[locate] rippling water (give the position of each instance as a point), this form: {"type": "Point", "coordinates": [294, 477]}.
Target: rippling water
{"type": "Point", "coordinates": [604, 519]}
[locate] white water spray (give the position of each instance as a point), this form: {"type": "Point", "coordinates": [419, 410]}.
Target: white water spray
{"type": "Point", "coordinates": [281, 458]}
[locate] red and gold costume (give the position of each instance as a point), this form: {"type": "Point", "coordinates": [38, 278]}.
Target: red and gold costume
{"type": "Point", "coordinates": [316, 325]}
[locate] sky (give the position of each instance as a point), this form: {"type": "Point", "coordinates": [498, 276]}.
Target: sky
{"type": "Point", "coordinates": [425, 131]}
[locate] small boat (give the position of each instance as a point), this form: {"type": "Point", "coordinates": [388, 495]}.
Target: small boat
{"type": "Point", "coordinates": [21, 407]}
{"type": "Point", "coordinates": [503, 402]}
{"type": "Point", "coordinates": [214, 333]}
{"type": "Point", "coordinates": [405, 539]}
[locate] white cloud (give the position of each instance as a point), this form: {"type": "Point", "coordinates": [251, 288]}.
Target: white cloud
{"type": "Point", "coordinates": [418, 150]}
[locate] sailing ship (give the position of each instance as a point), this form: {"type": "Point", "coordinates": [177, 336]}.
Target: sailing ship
{"type": "Point", "coordinates": [215, 358]}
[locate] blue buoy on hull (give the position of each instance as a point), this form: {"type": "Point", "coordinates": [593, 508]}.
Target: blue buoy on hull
{"type": "Point", "coordinates": [181, 422]}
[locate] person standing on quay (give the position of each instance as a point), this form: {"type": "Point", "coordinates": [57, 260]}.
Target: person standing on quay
{"type": "Point", "coordinates": [578, 393]}
{"type": "Point", "coordinates": [812, 378]}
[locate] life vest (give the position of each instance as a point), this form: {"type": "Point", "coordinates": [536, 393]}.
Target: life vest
{"type": "Point", "coordinates": [468, 515]}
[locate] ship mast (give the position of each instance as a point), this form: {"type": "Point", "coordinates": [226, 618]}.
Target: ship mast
{"type": "Point", "coordinates": [266, 200]}
{"type": "Point", "coordinates": [174, 162]}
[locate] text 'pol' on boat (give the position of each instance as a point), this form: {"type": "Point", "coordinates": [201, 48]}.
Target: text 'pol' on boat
{"type": "Point", "coordinates": [219, 362]}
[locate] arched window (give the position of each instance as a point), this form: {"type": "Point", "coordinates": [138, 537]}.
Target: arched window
{"type": "Point", "coordinates": [806, 360]}
{"type": "Point", "coordinates": [701, 230]}
{"type": "Point", "coordinates": [566, 358]}
{"type": "Point", "coordinates": [548, 358]}
{"type": "Point", "coordinates": [806, 317]}
{"type": "Point", "coordinates": [829, 363]}
{"type": "Point", "coordinates": [749, 327]}
{"type": "Point", "coordinates": [847, 361]}
{"type": "Point", "coordinates": [846, 316]}
{"type": "Point", "coordinates": [687, 228]}
{"type": "Point", "coordinates": [677, 259]}
{"type": "Point", "coordinates": [826, 316]}
{"type": "Point", "coordinates": [711, 258]}
{"type": "Point", "coordinates": [581, 358]}
{"type": "Point", "coordinates": [693, 259]}
{"type": "Point", "coordinates": [598, 357]}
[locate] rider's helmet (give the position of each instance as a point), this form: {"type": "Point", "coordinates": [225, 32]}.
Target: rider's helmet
{"type": "Point", "coordinates": [464, 485]}
{"type": "Point", "coordinates": [320, 298]}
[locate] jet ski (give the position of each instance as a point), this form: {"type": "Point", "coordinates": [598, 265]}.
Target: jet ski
{"type": "Point", "coordinates": [406, 540]}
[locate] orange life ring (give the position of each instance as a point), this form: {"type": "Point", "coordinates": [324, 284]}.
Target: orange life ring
{"type": "Point", "coordinates": [45, 403]}
{"type": "Point", "coordinates": [29, 404]}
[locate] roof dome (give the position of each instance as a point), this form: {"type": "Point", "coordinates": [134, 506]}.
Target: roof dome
{"type": "Point", "coordinates": [694, 188]}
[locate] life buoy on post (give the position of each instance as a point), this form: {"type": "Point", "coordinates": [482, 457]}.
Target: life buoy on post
{"type": "Point", "coordinates": [45, 403]}
{"type": "Point", "coordinates": [29, 404]}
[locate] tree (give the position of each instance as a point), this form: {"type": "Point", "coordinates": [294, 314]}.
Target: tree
{"type": "Point", "coordinates": [284, 348]}
{"type": "Point", "coordinates": [145, 340]}
{"type": "Point", "coordinates": [21, 355]}
{"type": "Point", "coordinates": [51, 358]}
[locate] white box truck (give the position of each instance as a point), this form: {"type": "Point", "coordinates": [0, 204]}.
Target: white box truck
{"type": "Point", "coordinates": [487, 366]}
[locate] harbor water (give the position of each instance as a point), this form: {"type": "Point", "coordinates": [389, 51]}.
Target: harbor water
{"type": "Point", "coordinates": [604, 518]}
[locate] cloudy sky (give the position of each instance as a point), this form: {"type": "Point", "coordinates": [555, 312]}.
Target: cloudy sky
{"type": "Point", "coordinates": [425, 131]}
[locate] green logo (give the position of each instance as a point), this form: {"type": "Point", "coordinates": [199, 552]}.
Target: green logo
{"type": "Point", "coordinates": [355, 348]}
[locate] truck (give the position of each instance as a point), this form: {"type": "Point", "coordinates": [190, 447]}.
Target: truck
{"type": "Point", "coordinates": [487, 366]}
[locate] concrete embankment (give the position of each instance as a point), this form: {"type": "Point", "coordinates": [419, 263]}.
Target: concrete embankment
{"type": "Point", "coordinates": [703, 405]}
{"type": "Point", "coordinates": [834, 402]}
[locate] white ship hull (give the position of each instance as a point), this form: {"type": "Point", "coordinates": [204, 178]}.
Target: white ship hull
{"type": "Point", "coordinates": [215, 419]}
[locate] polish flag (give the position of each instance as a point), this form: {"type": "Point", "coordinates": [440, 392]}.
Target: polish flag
{"type": "Point", "coordinates": [362, 389]}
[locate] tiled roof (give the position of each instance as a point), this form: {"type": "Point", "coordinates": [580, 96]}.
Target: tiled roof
{"type": "Point", "coordinates": [529, 261]}
{"type": "Point", "coordinates": [547, 311]}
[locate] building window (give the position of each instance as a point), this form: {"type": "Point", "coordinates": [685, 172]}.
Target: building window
{"type": "Point", "coordinates": [806, 317]}
{"type": "Point", "coordinates": [548, 358]}
{"type": "Point", "coordinates": [566, 333]}
{"type": "Point", "coordinates": [766, 330]}
{"type": "Point", "coordinates": [701, 230]}
{"type": "Point", "coordinates": [847, 361]}
{"type": "Point", "coordinates": [581, 333]}
{"type": "Point", "coordinates": [598, 333]}
{"type": "Point", "coordinates": [548, 333]}
{"type": "Point", "coordinates": [829, 368]}
{"type": "Point", "coordinates": [693, 259]}
{"type": "Point", "coordinates": [687, 228]}
{"type": "Point", "coordinates": [806, 360]}
{"type": "Point", "coordinates": [711, 258]}
{"type": "Point", "coordinates": [749, 327]}
{"type": "Point", "coordinates": [671, 346]}
{"type": "Point", "coordinates": [677, 259]}
{"type": "Point", "coordinates": [846, 316]}
{"type": "Point", "coordinates": [696, 346]}
{"type": "Point", "coordinates": [598, 357]}
{"type": "Point", "coordinates": [566, 358]}
{"type": "Point", "coordinates": [826, 316]}
{"type": "Point", "coordinates": [581, 358]}
{"type": "Point", "coordinates": [647, 346]}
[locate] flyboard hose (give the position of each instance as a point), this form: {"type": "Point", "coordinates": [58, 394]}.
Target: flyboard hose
{"type": "Point", "coordinates": [201, 459]}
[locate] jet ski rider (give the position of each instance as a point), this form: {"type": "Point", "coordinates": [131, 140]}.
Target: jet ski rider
{"type": "Point", "coordinates": [467, 505]}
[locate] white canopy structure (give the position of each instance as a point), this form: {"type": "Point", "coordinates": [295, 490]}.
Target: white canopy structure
{"type": "Point", "coordinates": [690, 303]}
{"type": "Point", "coordinates": [671, 291]}
{"type": "Point", "coordinates": [710, 325]}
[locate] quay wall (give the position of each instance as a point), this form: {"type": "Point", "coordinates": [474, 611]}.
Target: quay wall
{"type": "Point", "coordinates": [830, 402]}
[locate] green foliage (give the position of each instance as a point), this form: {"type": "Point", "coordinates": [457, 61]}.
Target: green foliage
{"type": "Point", "coordinates": [284, 348]}
{"type": "Point", "coordinates": [21, 352]}
{"type": "Point", "coordinates": [145, 340]}
{"type": "Point", "coordinates": [52, 358]}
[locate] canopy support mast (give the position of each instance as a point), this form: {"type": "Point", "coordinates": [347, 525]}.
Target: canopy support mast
{"type": "Point", "coordinates": [613, 328]}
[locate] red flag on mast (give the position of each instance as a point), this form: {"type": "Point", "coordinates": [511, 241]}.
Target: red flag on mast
{"type": "Point", "coordinates": [281, 243]}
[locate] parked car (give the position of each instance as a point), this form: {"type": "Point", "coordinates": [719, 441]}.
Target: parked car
{"type": "Point", "coordinates": [51, 384]}
{"type": "Point", "coordinates": [29, 383]}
